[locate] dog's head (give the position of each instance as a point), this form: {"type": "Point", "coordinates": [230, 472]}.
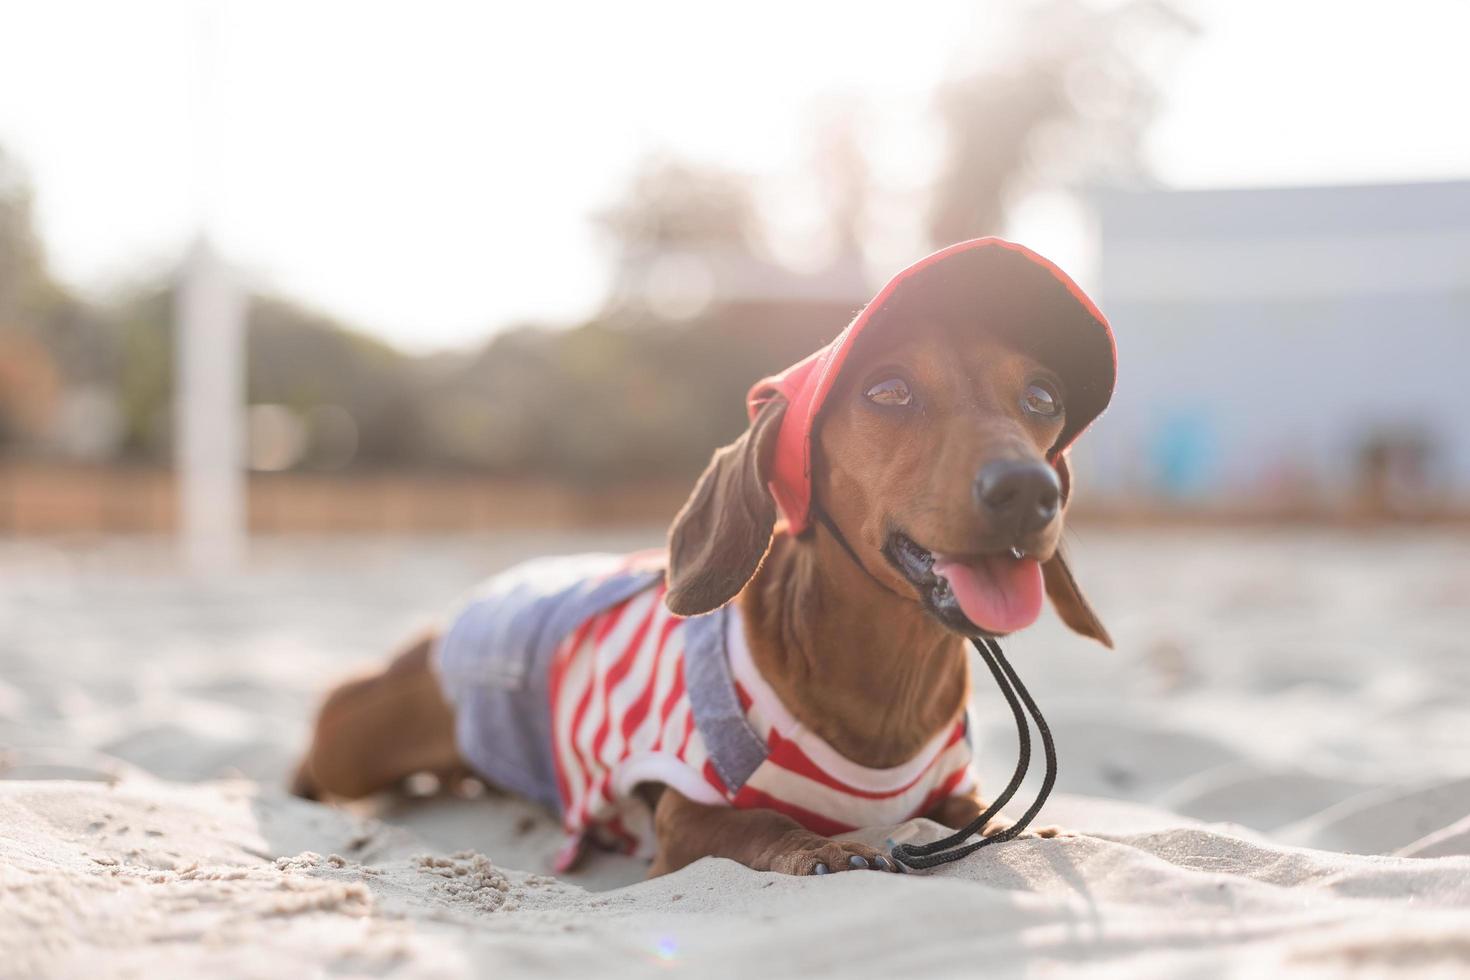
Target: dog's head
{"type": "Point", "coordinates": [930, 438]}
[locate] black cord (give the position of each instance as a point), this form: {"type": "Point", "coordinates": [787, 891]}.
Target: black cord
{"type": "Point", "coordinates": [945, 850]}
{"type": "Point", "coordinates": [908, 852]}
{"type": "Point", "coordinates": [826, 521]}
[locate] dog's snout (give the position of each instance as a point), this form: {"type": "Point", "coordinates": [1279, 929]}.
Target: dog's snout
{"type": "Point", "coordinates": [1018, 495]}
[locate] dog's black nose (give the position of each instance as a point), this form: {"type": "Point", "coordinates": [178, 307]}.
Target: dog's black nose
{"type": "Point", "coordinates": [1020, 495]}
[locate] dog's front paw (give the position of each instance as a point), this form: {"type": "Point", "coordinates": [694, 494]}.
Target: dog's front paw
{"type": "Point", "coordinates": [1049, 831]}
{"type": "Point", "coordinates": [809, 854]}
{"type": "Point", "coordinates": [1000, 824]}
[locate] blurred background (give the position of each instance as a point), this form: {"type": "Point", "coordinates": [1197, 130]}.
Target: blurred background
{"type": "Point", "coordinates": [470, 266]}
{"type": "Point", "coordinates": [312, 314]}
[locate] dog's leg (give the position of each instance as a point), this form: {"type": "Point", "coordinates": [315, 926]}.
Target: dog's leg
{"type": "Point", "coordinates": [955, 812]}
{"type": "Point", "coordinates": [374, 731]}
{"type": "Point", "coordinates": [763, 840]}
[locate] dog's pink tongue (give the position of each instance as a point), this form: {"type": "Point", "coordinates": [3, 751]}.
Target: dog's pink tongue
{"type": "Point", "coordinates": [999, 594]}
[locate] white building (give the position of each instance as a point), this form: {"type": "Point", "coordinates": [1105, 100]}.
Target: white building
{"type": "Point", "coordinates": [1274, 342]}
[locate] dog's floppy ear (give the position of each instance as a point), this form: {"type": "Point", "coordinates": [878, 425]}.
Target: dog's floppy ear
{"type": "Point", "coordinates": [1071, 605]}
{"type": "Point", "coordinates": [723, 531]}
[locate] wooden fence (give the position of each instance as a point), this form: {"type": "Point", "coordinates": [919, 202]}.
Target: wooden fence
{"type": "Point", "coordinates": [51, 499]}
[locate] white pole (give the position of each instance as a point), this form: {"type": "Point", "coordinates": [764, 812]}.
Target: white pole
{"type": "Point", "coordinates": [209, 395]}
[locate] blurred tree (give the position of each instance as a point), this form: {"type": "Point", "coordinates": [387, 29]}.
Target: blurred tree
{"type": "Point", "coordinates": [144, 330]}
{"type": "Point", "coordinates": [842, 168]}
{"type": "Point", "coordinates": [675, 227]}
{"type": "Point", "coordinates": [296, 358]}
{"type": "Point", "coordinates": [26, 289]}
{"type": "Point", "coordinates": [1073, 103]}
{"type": "Point", "coordinates": [305, 360]}
{"type": "Point", "coordinates": [650, 386]}
{"type": "Point", "coordinates": [610, 401]}
{"type": "Point", "coordinates": [672, 204]}
{"type": "Point", "coordinates": [52, 345]}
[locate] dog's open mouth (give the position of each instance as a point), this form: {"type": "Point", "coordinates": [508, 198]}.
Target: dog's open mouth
{"type": "Point", "coordinates": [991, 594]}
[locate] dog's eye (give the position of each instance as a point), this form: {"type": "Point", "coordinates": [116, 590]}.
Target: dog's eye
{"type": "Point", "coordinates": [892, 392]}
{"type": "Point", "coordinates": [1041, 399]}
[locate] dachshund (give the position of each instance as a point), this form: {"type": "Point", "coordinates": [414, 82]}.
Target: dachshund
{"type": "Point", "coordinates": [794, 665]}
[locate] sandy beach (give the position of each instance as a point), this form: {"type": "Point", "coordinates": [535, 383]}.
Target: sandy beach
{"type": "Point", "coordinates": [1271, 773]}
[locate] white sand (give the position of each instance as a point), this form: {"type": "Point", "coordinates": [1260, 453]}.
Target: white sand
{"type": "Point", "coordinates": [1272, 773]}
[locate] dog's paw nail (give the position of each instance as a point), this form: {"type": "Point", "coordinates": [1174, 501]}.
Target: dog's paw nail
{"type": "Point", "coordinates": [858, 861]}
{"type": "Point", "coordinates": [820, 869]}
{"type": "Point", "coordinates": [881, 863]}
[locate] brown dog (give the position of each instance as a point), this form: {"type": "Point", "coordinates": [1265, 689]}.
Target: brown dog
{"type": "Point", "coordinates": [928, 504]}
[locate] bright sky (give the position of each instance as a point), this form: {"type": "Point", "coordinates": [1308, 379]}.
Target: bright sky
{"type": "Point", "coordinates": [426, 169]}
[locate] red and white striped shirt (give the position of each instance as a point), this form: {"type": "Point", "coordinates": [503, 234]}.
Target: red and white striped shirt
{"type": "Point", "coordinates": [621, 716]}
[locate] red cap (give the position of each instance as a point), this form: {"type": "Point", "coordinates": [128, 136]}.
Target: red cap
{"type": "Point", "coordinates": [994, 283]}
